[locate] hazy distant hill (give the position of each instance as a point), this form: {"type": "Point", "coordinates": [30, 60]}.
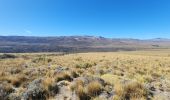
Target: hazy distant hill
{"type": "Point", "coordinates": [76, 44]}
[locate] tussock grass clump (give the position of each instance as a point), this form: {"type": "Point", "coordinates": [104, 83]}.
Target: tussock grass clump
{"type": "Point", "coordinates": [131, 90]}
{"type": "Point", "coordinates": [74, 74]}
{"type": "Point", "coordinates": [62, 76]}
{"type": "Point", "coordinates": [47, 82]}
{"type": "Point", "coordinates": [79, 87]}
{"type": "Point", "coordinates": [50, 86]}
{"type": "Point", "coordinates": [74, 86]}
{"type": "Point", "coordinates": [16, 80]}
{"type": "Point", "coordinates": [80, 91]}
{"type": "Point", "coordinates": [87, 91]}
{"type": "Point", "coordinates": [94, 88]}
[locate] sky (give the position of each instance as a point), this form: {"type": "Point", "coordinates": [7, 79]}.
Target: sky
{"type": "Point", "coordinates": [108, 18]}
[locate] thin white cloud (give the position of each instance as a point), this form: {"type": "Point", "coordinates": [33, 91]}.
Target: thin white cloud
{"type": "Point", "coordinates": [28, 31]}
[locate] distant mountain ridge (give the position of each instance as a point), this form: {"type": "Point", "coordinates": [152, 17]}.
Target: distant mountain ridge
{"type": "Point", "coordinates": [11, 44]}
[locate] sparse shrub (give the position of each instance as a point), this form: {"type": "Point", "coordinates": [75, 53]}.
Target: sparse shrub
{"type": "Point", "coordinates": [35, 91]}
{"type": "Point", "coordinates": [94, 88]}
{"type": "Point", "coordinates": [6, 56]}
{"type": "Point", "coordinates": [84, 65]}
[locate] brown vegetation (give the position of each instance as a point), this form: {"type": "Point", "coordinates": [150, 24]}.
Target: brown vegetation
{"type": "Point", "coordinates": [134, 75]}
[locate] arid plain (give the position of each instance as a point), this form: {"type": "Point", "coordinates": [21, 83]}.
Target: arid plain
{"type": "Point", "coordinates": [131, 75]}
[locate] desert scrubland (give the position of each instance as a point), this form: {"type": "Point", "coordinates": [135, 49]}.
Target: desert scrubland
{"type": "Point", "coordinates": [131, 75]}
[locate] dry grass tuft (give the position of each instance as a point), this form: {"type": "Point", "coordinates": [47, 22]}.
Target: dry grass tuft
{"type": "Point", "coordinates": [74, 74]}
{"type": "Point", "coordinates": [62, 76]}
{"type": "Point", "coordinates": [131, 90]}
{"type": "Point", "coordinates": [47, 82]}
{"type": "Point", "coordinates": [76, 85]}
{"type": "Point", "coordinates": [50, 85]}
{"type": "Point", "coordinates": [94, 88]}
{"type": "Point", "coordinates": [80, 91]}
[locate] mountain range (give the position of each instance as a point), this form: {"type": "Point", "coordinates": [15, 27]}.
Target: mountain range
{"type": "Point", "coordinates": [21, 44]}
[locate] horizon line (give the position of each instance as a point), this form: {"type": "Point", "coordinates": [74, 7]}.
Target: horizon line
{"type": "Point", "coordinates": [82, 36]}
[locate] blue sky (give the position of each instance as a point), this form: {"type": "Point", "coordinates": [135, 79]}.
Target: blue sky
{"type": "Point", "coordinates": [109, 18]}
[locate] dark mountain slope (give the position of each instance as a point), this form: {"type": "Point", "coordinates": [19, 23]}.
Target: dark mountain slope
{"type": "Point", "coordinates": [76, 44]}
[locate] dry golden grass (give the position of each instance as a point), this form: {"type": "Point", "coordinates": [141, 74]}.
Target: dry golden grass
{"type": "Point", "coordinates": [47, 82]}
{"type": "Point", "coordinates": [139, 67]}
{"type": "Point", "coordinates": [94, 88]}
{"type": "Point", "coordinates": [75, 86]}
{"type": "Point", "coordinates": [110, 79]}
{"type": "Point", "coordinates": [80, 91]}
{"type": "Point", "coordinates": [62, 76]}
{"type": "Point", "coordinates": [133, 90]}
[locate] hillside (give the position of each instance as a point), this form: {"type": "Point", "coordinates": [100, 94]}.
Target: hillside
{"type": "Point", "coordinates": [12, 44]}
